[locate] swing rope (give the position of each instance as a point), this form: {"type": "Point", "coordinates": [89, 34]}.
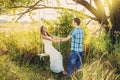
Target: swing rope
{"type": "Point", "coordinates": [40, 22]}
{"type": "Point", "coordinates": [45, 54]}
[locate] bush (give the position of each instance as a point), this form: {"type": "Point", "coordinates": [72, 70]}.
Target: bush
{"type": "Point", "coordinates": [22, 42]}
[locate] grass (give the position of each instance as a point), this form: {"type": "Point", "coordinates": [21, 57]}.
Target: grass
{"type": "Point", "coordinates": [96, 70]}
{"type": "Point", "coordinates": [9, 70]}
{"type": "Point", "coordinates": [18, 61]}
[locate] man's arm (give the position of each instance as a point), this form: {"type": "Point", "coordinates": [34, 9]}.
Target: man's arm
{"type": "Point", "coordinates": [71, 35]}
{"type": "Point", "coordinates": [66, 39]}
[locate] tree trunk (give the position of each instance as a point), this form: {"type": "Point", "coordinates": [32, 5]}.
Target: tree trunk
{"type": "Point", "coordinates": [102, 18]}
{"type": "Point", "coordinates": [115, 19]}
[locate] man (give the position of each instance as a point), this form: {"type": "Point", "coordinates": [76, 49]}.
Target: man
{"type": "Point", "coordinates": [76, 37]}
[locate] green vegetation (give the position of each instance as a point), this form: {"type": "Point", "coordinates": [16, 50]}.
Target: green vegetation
{"type": "Point", "coordinates": [18, 49]}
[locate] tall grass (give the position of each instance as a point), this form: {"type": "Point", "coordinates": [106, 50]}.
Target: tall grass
{"type": "Point", "coordinates": [96, 70]}
{"type": "Point", "coordinates": [22, 42]}
{"type": "Point", "coordinates": [9, 70]}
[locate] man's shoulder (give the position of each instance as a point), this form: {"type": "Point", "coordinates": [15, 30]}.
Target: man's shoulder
{"type": "Point", "coordinates": [78, 29]}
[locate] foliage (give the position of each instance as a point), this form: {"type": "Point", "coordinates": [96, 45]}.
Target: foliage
{"type": "Point", "coordinates": [95, 45]}
{"type": "Point", "coordinates": [97, 70]}
{"type": "Point", "coordinates": [65, 27]}
{"type": "Point", "coordinates": [22, 45]}
{"type": "Point", "coordinates": [114, 58]}
{"type": "Point", "coordinates": [65, 23]}
{"type": "Point", "coordinates": [9, 70]}
{"type": "Point", "coordinates": [22, 42]}
{"type": "Point", "coordinates": [6, 6]}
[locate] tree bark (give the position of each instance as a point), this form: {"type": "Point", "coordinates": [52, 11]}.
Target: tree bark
{"type": "Point", "coordinates": [102, 18]}
{"type": "Point", "coordinates": [115, 20]}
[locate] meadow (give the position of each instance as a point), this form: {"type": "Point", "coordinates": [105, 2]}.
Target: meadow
{"type": "Point", "coordinates": [20, 43]}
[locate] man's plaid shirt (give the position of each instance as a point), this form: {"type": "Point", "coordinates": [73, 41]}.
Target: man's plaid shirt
{"type": "Point", "coordinates": [77, 39]}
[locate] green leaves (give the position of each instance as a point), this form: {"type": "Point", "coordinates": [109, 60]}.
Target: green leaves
{"type": "Point", "coordinates": [9, 6]}
{"type": "Point", "coordinates": [65, 21]}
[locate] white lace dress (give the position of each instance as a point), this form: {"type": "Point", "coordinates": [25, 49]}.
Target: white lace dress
{"type": "Point", "coordinates": [56, 60]}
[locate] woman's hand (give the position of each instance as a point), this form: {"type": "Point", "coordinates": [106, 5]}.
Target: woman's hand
{"type": "Point", "coordinates": [58, 41]}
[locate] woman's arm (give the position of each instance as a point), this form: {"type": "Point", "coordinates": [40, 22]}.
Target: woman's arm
{"type": "Point", "coordinates": [50, 38]}
{"type": "Point", "coordinates": [56, 38]}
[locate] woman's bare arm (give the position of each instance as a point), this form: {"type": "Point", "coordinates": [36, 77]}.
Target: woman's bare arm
{"type": "Point", "coordinates": [56, 38]}
{"type": "Point", "coordinates": [50, 38]}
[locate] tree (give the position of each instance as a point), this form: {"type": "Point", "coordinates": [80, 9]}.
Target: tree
{"type": "Point", "coordinates": [115, 19]}
{"type": "Point", "coordinates": [99, 13]}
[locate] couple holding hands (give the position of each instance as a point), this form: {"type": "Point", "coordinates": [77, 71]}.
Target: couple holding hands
{"type": "Point", "coordinates": [56, 60]}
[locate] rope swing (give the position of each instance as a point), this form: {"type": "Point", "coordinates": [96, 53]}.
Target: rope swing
{"type": "Point", "coordinates": [42, 54]}
{"type": "Point", "coordinates": [40, 22]}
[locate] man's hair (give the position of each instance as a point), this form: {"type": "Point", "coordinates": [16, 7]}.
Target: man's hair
{"type": "Point", "coordinates": [77, 20]}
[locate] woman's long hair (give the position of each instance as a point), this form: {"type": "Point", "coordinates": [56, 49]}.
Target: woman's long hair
{"type": "Point", "coordinates": [43, 32]}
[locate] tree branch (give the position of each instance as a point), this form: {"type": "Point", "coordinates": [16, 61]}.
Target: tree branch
{"type": "Point", "coordinates": [67, 9]}
{"type": "Point", "coordinates": [30, 9]}
{"type": "Point", "coordinates": [100, 8]}
{"type": "Point", "coordinates": [41, 6]}
{"type": "Point", "coordinates": [88, 6]}
{"type": "Point", "coordinates": [97, 12]}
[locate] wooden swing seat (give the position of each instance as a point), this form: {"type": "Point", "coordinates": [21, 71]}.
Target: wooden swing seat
{"type": "Point", "coordinates": [43, 54]}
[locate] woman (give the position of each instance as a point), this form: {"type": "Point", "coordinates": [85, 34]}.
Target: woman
{"type": "Point", "coordinates": [56, 60]}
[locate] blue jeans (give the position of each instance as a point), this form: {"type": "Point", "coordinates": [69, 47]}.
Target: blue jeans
{"type": "Point", "coordinates": [74, 58]}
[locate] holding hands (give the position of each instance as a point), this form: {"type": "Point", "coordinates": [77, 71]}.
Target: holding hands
{"type": "Point", "coordinates": [56, 39]}
{"type": "Point", "coordinates": [60, 40]}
